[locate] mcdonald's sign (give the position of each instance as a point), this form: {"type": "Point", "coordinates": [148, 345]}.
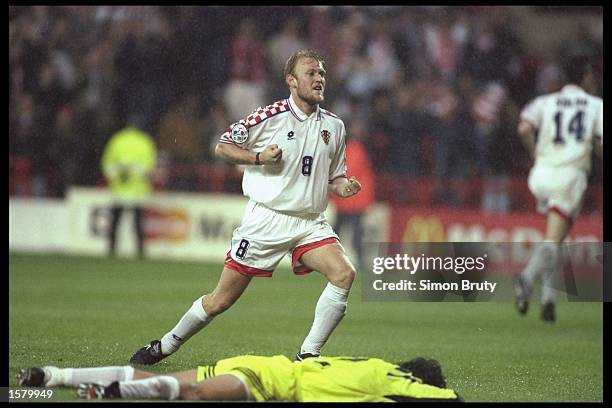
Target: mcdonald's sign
{"type": "Point", "coordinates": [424, 229]}
{"type": "Point", "coordinates": [439, 225]}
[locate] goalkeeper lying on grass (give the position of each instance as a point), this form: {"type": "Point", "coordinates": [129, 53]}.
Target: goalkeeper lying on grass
{"type": "Point", "coordinates": [255, 378]}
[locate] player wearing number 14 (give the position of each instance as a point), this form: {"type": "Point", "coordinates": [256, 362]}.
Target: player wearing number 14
{"type": "Point", "coordinates": [295, 156]}
{"type": "Point", "coordinates": [560, 130]}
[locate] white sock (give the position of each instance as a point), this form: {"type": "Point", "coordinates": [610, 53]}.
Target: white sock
{"type": "Point", "coordinates": [540, 261]}
{"type": "Point", "coordinates": [192, 322]}
{"type": "Point", "coordinates": [71, 377]}
{"type": "Point", "coordinates": [550, 276]}
{"type": "Point", "coordinates": [162, 386]}
{"type": "Point", "coordinates": [330, 309]}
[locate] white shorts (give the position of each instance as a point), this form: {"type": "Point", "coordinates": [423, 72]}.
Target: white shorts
{"type": "Point", "coordinates": [265, 236]}
{"type": "Point", "coordinates": [558, 189]}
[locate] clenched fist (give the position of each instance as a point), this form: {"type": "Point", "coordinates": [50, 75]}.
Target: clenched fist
{"type": "Point", "coordinates": [347, 189]}
{"type": "Point", "coordinates": [272, 154]}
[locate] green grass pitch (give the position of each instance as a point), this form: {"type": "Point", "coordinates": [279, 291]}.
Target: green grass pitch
{"type": "Point", "coordinates": [80, 311]}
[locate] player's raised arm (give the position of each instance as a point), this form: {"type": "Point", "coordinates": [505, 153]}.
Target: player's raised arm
{"type": "Point", "coordinates": [238, 144]}
{"type": "Point", "coordinates": [272, 154]}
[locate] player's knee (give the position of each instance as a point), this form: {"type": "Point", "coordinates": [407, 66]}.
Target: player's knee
{"type": "Point", "coordinates": [215, 389]}
{"type": "Point", "coordinates": [189, 392]}
{"type": "Point", "coordinates": [215, 305]}
{"type": "Point", "coordinates": [343, 277]}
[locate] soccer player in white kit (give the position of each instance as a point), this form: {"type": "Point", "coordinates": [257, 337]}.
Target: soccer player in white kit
{"type": "Point", "coordinates": [560, 131]}
{"type": "Point", "coordinates": [295, 152]}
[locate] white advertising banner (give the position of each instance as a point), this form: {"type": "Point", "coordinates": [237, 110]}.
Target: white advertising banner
{"type": "Point", "coordinates": [37, 225]}
{"type": "Point", "coordinates": [177, 225]}
{"type": "Point", "coordinates": [194, 226]}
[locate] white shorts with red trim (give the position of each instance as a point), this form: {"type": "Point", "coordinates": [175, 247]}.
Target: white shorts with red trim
{"type": "Point", "coordinates": [265, 236]}
{"type": "Point", "coordinates": [558, 189]}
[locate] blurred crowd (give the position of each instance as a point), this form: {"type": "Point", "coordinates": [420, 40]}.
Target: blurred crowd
{"type": "Point", "coordinates": [438, 89]}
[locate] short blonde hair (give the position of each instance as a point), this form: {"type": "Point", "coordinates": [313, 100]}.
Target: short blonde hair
{"type": "Point", "coordinates": [295, 57]}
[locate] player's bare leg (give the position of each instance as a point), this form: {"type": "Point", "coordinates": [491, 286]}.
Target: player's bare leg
{"type": "Point", "coordinates": [147, 385]}
{"type": "Point", "coordinates": [222, 388]}
{"type": "Point", "coordinates": [557, 227]}
{"type": "Point", "coordinates": [331, 261]}
{"type": "Point", "coordinates": [182, 376]}
{"type": "Point", "coordinates": [178, 385]}
{"type": "Point", "coordinates": [230, 287]}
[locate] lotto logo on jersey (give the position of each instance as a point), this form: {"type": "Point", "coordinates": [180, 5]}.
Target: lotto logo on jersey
{"type": "Point", "coordinates": [239, 133]}
{"type": "Point", "coordinates": [325, 135]}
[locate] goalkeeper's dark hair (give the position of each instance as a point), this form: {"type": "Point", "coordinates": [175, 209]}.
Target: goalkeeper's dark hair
{"type": "Point", "coordinates": [296, 56]}
{"type": "Point", "coordinates": [428, 370]}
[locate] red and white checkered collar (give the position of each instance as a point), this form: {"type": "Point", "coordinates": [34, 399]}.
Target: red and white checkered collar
{"type": "Point", "coordinates": [297, 112]}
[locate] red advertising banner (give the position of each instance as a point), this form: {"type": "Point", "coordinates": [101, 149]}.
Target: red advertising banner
{"type": "Point", "coordinates": [432, 225]}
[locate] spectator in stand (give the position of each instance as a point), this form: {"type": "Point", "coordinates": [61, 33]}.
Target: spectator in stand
{"type": "Point", "coordinates": [63, 147]}
{"type": "Point", "coordinates": [485, 113]}
{"type": "Point", "coordinates": [384, 66]}
{"type": "Point", "coordinates": [179, 137]}
{"type": "Point", "coordinates": [380, 128]}
{"type": "Point", "coordinates": [583, 44]}
{"type": "Point", "coordinates": [247, 85]}
{"type": "Point", "coordinates": [409, 123]}
{"type": "Point", "coordinates": [214, 124]}
{"type": "Point", "coordinates": [320, 28]}
{"type": "Point", "coordinates": [49, 96]}
{"type": "Point", "coordinates": [65, 56]}
{"type": "Point", "coordinates": [454, 146]}
{"type": "Point", "coordinates": [549, 77]}
{"type": "Point", "coordinates": [484, 57]}
{"type": "Point", "coordinates": [179, 132]}
{"type": "Point", "coordinates": [223, 177]}
{"type": "Point", "coordinates": [348, 43]}
{"type": "Point", "coordinates": [444, 39]}
{"type": "Point", "coordinates": [408, 42]}
{"type": "Point", "coordinates": [352, 210]}
{"type": "Point", "coordinates": [496, 195]}
{"type": "Point", "coordinates": [144, 63]}
{"type": "Point", "coordinates": [281, 47]}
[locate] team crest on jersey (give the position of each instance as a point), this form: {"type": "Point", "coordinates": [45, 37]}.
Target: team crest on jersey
{"type": "Point", "coordinates": [325, 135]}
{"type": "Point", "coordinates": [239, 133]}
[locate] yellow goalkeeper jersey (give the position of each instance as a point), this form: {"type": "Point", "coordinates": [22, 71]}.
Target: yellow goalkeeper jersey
{"type": "Point", "coordinates": [326, 379]}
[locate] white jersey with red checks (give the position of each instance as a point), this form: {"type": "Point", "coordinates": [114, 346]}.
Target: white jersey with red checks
{"type": "Point", "coordinates": [567, 123]}
{"type": "Point", "coordinates": [313, 147]}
